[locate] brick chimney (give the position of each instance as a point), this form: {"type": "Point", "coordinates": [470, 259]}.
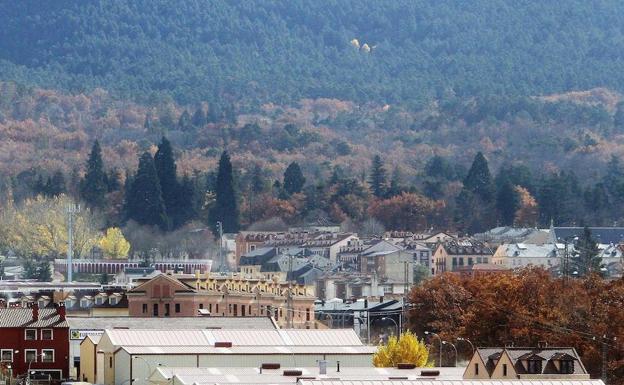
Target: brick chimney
{"type": "Point", "coordinates": [35, 311]}
{"type": "Point", "coordinates": [61, 310]}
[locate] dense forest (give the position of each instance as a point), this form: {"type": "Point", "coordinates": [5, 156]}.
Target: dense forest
{"type": "Point", "coordinates": [390, 51]}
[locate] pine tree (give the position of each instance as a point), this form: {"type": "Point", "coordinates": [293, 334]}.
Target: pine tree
{"type": "Point", "coordinates": [507, 202]}
{"type": "Point", "coordinates": [293, 179]}
{"type": "Point", "coordinates": [166, 169]}
{"type": "Point", "coordinates": [396, 183]}
{"type": "Point", "coordinates": [258, 184]}
{"type": "Point", "coordinates": [479, 180]}
{"type": "Point", "coordinates": [199, 117]}
{"type": "Point", "coordinates": [586, 255]}
{"type": "Point", "coordinates": [378, 180]}
{"type": "Point", "coordinates": [184, 123]}
{"type": "Point", "coordinates": [94, 186]}
{"type": "Point", "coordinates": [144, 202]}
{"type": "Point", "coordinates": [225, 208]}
{"type": "Point", "coordinates": [55, 184]}
{"type": "Point", "coordinates": [187, 209]}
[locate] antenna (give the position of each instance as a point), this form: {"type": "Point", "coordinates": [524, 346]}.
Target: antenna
{"type": "Point", "coordinates": [71, 210]}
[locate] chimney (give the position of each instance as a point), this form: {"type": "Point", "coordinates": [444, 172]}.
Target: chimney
{"type": "Point", "coordinates": [61, 311]}
{"type": "Point", "coordinates": [35, 311]}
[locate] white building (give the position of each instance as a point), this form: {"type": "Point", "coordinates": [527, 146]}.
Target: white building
{"type": "Point", "coordinates": [123, 355]}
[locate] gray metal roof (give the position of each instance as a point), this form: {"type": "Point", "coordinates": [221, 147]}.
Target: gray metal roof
{"type": "Point", "coordinates": [23, 317]}
{"type": "Point", "coordinates": [453, 382]}
{"type": "Point", "coordinates": [102, 323]}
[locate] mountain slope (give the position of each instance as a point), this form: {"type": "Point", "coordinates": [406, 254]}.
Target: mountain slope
{"type": "Point", "coordinates": [282, 51]}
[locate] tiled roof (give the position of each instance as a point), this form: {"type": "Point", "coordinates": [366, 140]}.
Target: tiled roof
{"type": "Point", "coordinates": [17, 318]}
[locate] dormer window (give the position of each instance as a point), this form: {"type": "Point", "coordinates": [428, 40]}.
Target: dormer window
{"type": "Point", "coordinates": [113, 300]}
{"type": "Point", "coordinates": [534, 366]}
{"type": "Point", "coordinates": [99, 300]}
{"type": "Point", "coordinates": [85, 302]}
{"type": "Point", "coordinates": [567, 367]}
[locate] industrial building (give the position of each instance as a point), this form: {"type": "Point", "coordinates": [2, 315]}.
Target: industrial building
{"type": "Point", "coordinates": [124, 356]}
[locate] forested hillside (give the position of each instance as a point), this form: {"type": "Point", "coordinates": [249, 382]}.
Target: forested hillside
{"type": "Point", "coordinates": [392, 51]}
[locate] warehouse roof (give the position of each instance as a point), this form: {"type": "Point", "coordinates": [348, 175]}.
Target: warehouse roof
{"type": "Point", "coordinates": [273, 350]}
{"type": "Point", "coordinates": [452, 382]}
{"type": "Point", "coordinates": [102, 323]}
{"type": "Point", "coordinates": [254, 375]}
{"type": "Point", "coordinates": [238, 338]}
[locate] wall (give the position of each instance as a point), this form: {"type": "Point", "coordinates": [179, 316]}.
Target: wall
{"type": "Point", "coordinates": [87, 361]}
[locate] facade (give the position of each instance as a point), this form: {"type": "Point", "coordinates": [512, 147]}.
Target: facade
{"type": "Point", "coordinates": [521, 255]}
{"type": "Point", "coordinates": [452, 256]}
{"type": "Point", "coordinates": [128, 354]}
{"type": "Point", "coordinates": [248, 241]}
{"type": "Point", "coordinates": [234, 295]}
{"type": "Point", "coordinates": [513, 363]}
{"type": "Point", "coordinates": [35, 339]}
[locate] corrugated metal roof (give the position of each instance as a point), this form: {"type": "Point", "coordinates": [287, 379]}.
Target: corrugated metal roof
{"type": "Point", "coordinates": [250, 350]}
{"type": "Point", "coordinates": [134, 337]}
{"type": "Point", "coordinates": [102, 323]}
{"type": "Point", "coordinates": [17, 318]}
{"type": "Point", "coordinates": [452, 382]}
{"type": "Point", "coordinates": [245, 337]}
{"type": "Point", "coordinates": [304, 337]}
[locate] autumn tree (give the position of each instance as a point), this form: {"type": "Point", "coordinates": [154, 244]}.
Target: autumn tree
{"type": "Point", "coordinates": [408, 211]}
{"type": "Point", "coordinates": [94, 186]}
{"type": "Point", "coordinates": [114, 244]}
{"type": "Point", "coordinates": [527, 213]}
{"type": "Point", "coordinates": [404, 349]}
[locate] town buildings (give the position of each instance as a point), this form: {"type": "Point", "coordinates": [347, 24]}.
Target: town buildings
{"type": "Point", "coordinates": [169, 295]}
{"type": "Point", "coordinates": [35, 339]}
{"type": "Point", "coordinates": [513, 363]}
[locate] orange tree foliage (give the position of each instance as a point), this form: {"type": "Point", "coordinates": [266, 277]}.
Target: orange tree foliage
{"type": "Point", "coordinates": [407, 211]}
{"type": "Point", "coordinates": [528, 212]}
{"type": "Point", "coordinates": [526, 308]}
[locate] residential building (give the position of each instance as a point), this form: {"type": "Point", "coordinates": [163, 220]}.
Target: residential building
{"type": "Point", "coordinates": [508, 234]}
{"type": "Point", "coordinates": [515, 363]}
{"type": "Point", "coordinates": [604, 235]}
{"type": "Point", "coordinates": [235, 295]}
{"type": "Point", "coordinates": [35, 339]}
{"type": "Point", "coordinates": [521, 255]}
{"type": "Point", "coordinates": [248, 241]}
{"type": "Point", "coordinates": [451, 256]}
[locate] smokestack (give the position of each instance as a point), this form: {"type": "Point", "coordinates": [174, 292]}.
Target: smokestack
{"type": "Point", "coordinates": [35, 311]}
{"type": "Point", "coordinates": [61, 311]}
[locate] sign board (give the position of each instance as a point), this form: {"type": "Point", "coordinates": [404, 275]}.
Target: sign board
{"type": "Point", "coordinates": [76, 334]}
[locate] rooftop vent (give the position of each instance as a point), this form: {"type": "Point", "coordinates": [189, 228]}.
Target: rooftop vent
{"type": "Point", "coordinates": [270, 365]}
{"type": "Point", "coordinates": [223, 345]}
{"type": "Point", "coordinates": [405, 365]}
{"type": "Point", "coordinates": [292, 373]}
{"type": "Point", "coordinates": [429, 373]}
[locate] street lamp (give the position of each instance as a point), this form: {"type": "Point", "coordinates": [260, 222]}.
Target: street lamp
{"type": "Point", "coordinates": [454, 348]}
{"type": "Point", "coordinates": [440, 339]}
{"type": "Point", "coordinates": [395, 324]}
{"type": "Point", "coordinates": [466, 340]}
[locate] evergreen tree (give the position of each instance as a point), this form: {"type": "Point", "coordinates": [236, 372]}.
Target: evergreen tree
{"type": "Point", "coordinates": [258, 183]}
{"type": "Point", "coordinates": [225, 209]}
{"type": "Point", "coordinates": [187, 209]}
{"type": "Point", "coordinates": [55, 184]}
{"type": "Point", "coordinates": [377, 179]}
{"type": "Point", "coordinates": [479, 180]}
{"type": "Point", "coordinates": [199, 117]}
{"type": "Point", "coordinates": [293, 179]}
{"type": "Point", "coordinates": [144, 202]}
{"type": "Point", "coordinates": [166, 169]}
{"type": "Point", "coordinates": [507, 202]}
{"type": "Point", "coordinates": [114, 178]}
{"type": "Point", "coordinates": [184, 123]}
{"type": "Point", "coordinates": [618, 117]}
{"type": "Point", "coordinates": [586, 255]}
{"type": "Point", "coordinates": [396, 183]}
{"type": "Point", "coordinates": [94, 186]}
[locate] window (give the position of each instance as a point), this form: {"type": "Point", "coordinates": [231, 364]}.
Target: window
{"type": "Point", "coordinates": [47, 355]}
{"type": "Point", "coordinates": [99, 300]}
{"type": "Point", "coordinates": [30, 334]}
{"type": "Point", "coordinates": [113, 300]}
{"type": "Point", "coordinates": [110, 362]}
{"type": "Point", "coordinates": [567, 367]}
{"type": "Point", "coordinates": [7, 355]}
{"type": "Point", "coordinates": [470, 261]}
{"type": "Point", "coordinates": [155, 310]}
{"type": "Point", "coordinates": [144, 308]}
{"type": "Point", "coordinates": [534, 366]}
{"type": "Point", "coordinates": [201, 305]}
{"type": "Point", "coordinates": [31, 355]}
{"type": "Point", "coordinates": [177, 307]}
{"type": "Point", "coordinates": [476, 369]}
{"type": "Point", "coordinates": [505, 370]}
{"type": "Point", "coordinates": [46, 334]}
{"type": "Point", "coordinates": [167, 310]}
{"type": "Point", "coordinates": [454, 261]}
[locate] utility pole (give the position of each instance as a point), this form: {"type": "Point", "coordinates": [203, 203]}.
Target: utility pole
{"type": "Point", "coordinates": [289, 315]}
{"type": "Point", "coordinates": [604, 359]}
{"type": "Point", "coordinates": [220, 230]}
{"type": "Point", "coordinates": [72, 210]}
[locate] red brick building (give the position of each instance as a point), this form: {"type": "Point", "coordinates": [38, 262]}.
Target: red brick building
{"type": "Point", "coordinates": [39, 337]}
